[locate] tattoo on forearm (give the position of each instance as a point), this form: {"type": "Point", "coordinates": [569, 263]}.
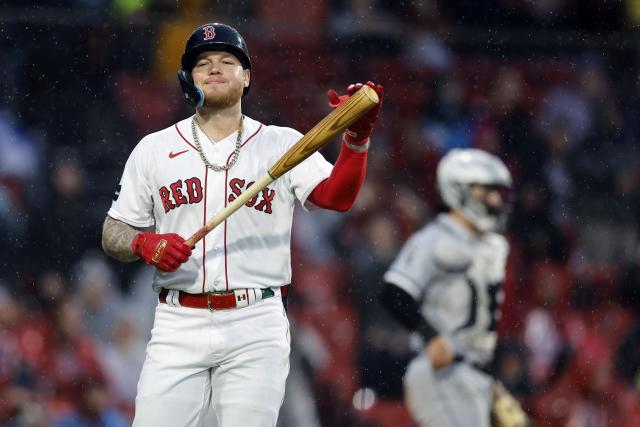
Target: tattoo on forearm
{"type": "Point", "coordinates": [116, 239]}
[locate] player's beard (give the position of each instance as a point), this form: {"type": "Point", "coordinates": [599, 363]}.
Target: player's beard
{"type": "Point", "coordinates": [220, 101]}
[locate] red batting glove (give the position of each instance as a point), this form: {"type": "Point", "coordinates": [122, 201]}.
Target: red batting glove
{"type": "Point", "coordinates": [164, 251]}
{"type": "Point", "coordinates": [359, 132]}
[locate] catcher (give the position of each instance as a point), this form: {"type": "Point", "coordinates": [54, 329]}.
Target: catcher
{"type": "Point", "coordinates": [446, 285]}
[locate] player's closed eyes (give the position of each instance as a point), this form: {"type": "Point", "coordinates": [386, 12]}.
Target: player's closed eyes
{"type": "Point", "coordinates": [203, 63]}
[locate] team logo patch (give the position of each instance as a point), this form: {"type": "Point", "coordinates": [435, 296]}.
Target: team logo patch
{"type": "Point", "coordinates": [117, 193]}
{"type": "Point", "coordinates": [209, 32]}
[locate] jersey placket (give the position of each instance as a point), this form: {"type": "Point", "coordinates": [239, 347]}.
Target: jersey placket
{"type": "Point", "coordinates": [214, 265]}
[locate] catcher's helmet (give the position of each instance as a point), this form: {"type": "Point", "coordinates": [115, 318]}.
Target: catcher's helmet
{"type": "Point", "coordinates": [458, 170]}
{"type": "Point", "coordinates": [208, 37]}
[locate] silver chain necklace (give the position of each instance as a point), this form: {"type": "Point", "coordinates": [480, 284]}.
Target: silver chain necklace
{"type": "Point", "coordinates": [234, 156]}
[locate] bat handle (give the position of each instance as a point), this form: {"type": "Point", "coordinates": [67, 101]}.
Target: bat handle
{"type": "Point", "coordinates": [221, 216]}
{"type": "Point", "coordinates": [196, 237]}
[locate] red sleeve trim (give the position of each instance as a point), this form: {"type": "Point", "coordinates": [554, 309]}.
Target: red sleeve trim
{"type": "Point", "coordinates": [339, 191]}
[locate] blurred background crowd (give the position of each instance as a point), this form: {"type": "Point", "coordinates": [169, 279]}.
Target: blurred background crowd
{"type": "Point", "coordinates": [550, 86]}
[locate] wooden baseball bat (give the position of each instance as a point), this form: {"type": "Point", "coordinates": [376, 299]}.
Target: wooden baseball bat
{"type": "Point", "coordinates": [333, 124]}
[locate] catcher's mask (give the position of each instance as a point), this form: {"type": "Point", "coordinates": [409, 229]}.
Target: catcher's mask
{"type": "Point", "coordinates": [462, 169]}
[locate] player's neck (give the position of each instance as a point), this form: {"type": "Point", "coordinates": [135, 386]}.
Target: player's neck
{"type": "Point", "coordinates": [464, 221]}
{"type": "Point", "coordinates": [218, 124]}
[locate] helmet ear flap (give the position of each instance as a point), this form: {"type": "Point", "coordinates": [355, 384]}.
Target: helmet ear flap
{"type": "Point", "coordinates": [462, 193]}
{"type": "Point", "coordinates": [192, 93]}
{"type": "Point", "coordinates": [453, 194]}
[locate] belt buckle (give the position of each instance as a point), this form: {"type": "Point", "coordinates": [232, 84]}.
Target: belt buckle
{"type": "Point", "coordinates": [209, 295]}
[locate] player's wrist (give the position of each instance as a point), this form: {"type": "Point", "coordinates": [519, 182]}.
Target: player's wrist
{"type": "Point", "coordinates": [359, 135]}
{"type": "Point", "coordinates": [357, 148]}
{"type": "Point", "coordinates": [439, 352]}
{"type": "Point", "coordinates": [426, 330]}
{"type": "Point", "coordinates": [137, 243]}
{"type": "Point", "coordinates": [357, 144]}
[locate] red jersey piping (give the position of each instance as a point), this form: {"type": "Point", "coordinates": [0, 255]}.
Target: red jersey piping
{"type": "Point", "coordinates": [184, 139]}
{"type": "Point", "coordinates": [204, 221]}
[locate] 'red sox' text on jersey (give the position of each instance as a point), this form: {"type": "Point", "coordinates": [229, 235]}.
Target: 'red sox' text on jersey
{"type": "Point", "coordinates": [164, 174]}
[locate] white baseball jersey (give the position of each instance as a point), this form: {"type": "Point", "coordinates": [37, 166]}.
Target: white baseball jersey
{"type": "Point", "coordinates": [457, 277]}
{"type": "Point", "coordinates": [165, 183]}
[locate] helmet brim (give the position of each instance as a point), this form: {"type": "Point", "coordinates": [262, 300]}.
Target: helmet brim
{"type": "Point", "coordinates": [189, 58]}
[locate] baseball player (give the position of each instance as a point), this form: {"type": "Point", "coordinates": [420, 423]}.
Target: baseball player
{"type": "Point", "coordinates": [220, 334]}
{"type": "Point", "coordinates": [446, 284]}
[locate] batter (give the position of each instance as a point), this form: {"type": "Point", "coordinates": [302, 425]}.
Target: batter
{"type": "Point", "coordinates": [221, 334]}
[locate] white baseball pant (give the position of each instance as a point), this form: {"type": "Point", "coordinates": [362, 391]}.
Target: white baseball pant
{"type": "Point", "coordinates": [456, 396]}
{"type": "Point", "coordinates": [236, 360]}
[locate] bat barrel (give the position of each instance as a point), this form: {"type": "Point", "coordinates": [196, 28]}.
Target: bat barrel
{"type": "Point", "coordinates": [333, 124]}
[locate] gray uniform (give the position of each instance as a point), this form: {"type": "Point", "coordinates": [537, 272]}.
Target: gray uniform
{"type": "Point", "coordinates": [456, 277]}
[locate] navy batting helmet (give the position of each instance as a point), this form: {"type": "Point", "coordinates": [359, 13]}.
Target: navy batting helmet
{"type": "Point", "coordinates": [208, 37]}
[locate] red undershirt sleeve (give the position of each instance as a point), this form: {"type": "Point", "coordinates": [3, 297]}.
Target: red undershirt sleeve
{"type": "Point", "coordinates": [339, 191]}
